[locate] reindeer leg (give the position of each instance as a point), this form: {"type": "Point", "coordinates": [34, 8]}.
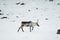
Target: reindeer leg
{"type": "Point", "coordinates": [22, 29]}
{"type": "Point", "coordinates": [18, 29]}
{"type": "Point", "coordinates": [30, 28]}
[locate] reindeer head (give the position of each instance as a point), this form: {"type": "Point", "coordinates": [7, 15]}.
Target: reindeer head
{"type": "Point", "coordinates": [37, 23]}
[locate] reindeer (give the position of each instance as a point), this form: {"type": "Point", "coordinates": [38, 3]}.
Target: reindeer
{"type": "Point", "coordinates": [28, 24]}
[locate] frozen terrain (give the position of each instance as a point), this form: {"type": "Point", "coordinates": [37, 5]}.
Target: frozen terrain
{"type": "Point", "coordinates": [12, 12]}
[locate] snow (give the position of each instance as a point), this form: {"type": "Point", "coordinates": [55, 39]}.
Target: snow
{"type": "Point", "coordinates": [46, 31]}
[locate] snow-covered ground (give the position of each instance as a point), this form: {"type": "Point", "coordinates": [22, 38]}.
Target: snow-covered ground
{"type": "Point", "coordinates": [46, 11]}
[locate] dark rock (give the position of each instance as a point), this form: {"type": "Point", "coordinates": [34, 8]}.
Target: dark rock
{"type": "Point", "coordinates": [46, 0]}
{"type": "Point", "coordinates": [18, 3]}
{"type": "Point", "coordinates": [37, 8]}
{"type": "Point", "coordinates": [12, 21]}
{"type": "Point", "coordinates": [46, 18]}
{"type": "Point", "coordinates": [51, 0]}
{"type": "Point", "coordinates": [4, 17]}
{"type": "Point", "coordinates": [29, 10]}
{"type": "Point", "coordinates": [0, 10]}
{"type": "Point", "coordinates": [1, 14]}
{"type": "Point", "coordinates": [59, 16]}
{"type": "Point", "coordinates": [17, 16]}
{"type": "Point", "coordinates": [22, 4]}
{"type": "Point", "coordinates": [58, 3]}
{"type": "Point", "coordinates": [57, 37]}
{"type": "Point", "coordinates": [58, 31]}
{"type": "Point", "coordinates": [4, 4]}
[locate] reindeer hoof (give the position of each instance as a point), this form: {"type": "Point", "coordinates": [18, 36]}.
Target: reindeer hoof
{"type": "Point", "coordinates": [22, 31]}
{"type": "Point", "coordinates": [17, 31]}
